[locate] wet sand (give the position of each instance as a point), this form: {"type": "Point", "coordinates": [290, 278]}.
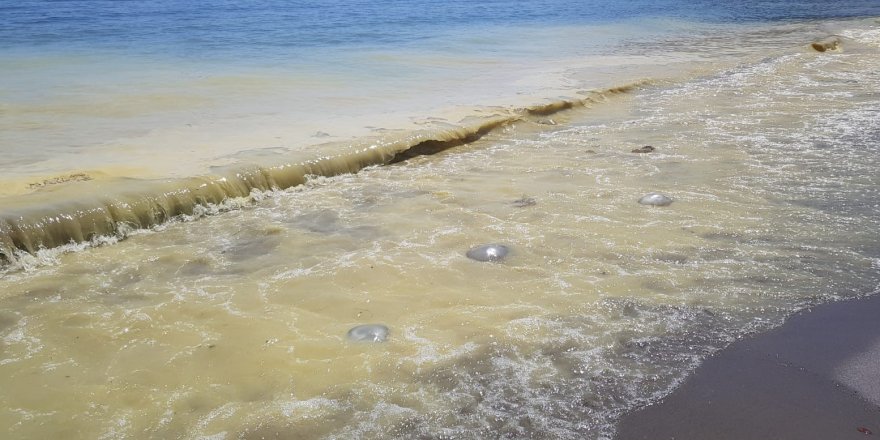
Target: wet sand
{"type": "Point", "coordinates": [816, 377]}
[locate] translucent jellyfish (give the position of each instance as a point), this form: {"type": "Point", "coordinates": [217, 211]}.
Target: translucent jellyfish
{"type": "Point", "coordinates": [368, 333]}
{"type": "Point", "coordinates": [488, 252]}
{"type": "Point", "coordinates": [655, 199]}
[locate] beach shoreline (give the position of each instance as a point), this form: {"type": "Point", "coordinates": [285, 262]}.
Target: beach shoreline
{"type": "Point", "coordinates": [813, 377]}
{"type": "Point", "coordinates": [243, 220]}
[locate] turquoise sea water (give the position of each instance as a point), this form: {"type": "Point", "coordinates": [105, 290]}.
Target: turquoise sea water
{"type": "Point", "coordinates": [198, 200]}
{"type": "Point", "coordinates": [265, 28]}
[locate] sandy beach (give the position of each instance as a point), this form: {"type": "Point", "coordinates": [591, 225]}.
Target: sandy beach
{"type": "Point", "coordinates": [366, 219]}
{"type": "Point", "coordinates": [816, 377]}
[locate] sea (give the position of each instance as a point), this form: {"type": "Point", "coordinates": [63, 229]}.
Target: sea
{"type": "Point", "coordinates": [199, 201]}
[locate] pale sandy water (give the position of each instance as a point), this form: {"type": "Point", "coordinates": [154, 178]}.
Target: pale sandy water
{"type": "Point", "coordinates": [107, 114]}
{"type": "Point", "coordinates": [233, 325]}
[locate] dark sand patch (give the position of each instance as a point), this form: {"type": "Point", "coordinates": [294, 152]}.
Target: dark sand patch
{"type": "Point", "coordinates": [816, 377]}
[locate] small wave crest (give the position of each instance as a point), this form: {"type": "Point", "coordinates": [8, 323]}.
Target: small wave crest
{"type": "Point", "coordinates": [866, 36]}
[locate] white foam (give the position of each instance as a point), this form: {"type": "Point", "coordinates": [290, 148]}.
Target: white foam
{"type": "Point", "coordinates": [868, 36]}
{"type": "Point", "coordinates": [429, 351]}
{"type": "Point", "coordinates": [25, 343]}
{"type": "Point", "coordinates": [314, 408]}
{"type": "Point", "coordinates": [118, 428]}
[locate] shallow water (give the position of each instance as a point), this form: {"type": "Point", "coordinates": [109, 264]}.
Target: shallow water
{"type": "Point", "coordinates": [231, 321]}
{"type": "Point", "coordinates": [107, 90]}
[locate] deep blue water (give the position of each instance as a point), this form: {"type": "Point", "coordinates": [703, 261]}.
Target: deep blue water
{"type": "Point", "coordinates": [185, 28]}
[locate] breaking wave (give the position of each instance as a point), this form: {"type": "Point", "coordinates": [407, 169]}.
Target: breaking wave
{"type": "Point", "coordinates": [108, 215]}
